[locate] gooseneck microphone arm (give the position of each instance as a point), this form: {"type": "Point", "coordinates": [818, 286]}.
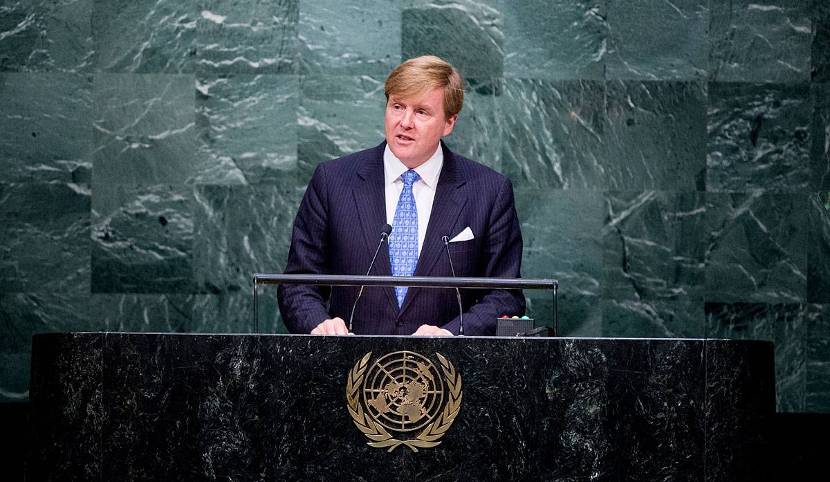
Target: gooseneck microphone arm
{"type": "Point", "coordinates": [384, 235]}
{"type": "Point", "coordinates": [446, 241]}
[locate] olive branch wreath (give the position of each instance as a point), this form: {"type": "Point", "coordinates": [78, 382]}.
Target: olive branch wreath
{"type": "Point", "coordinates": [381, 438]}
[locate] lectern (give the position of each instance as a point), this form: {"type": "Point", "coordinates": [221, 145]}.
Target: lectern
{"type": "Point", "coordinates": [128, 406]}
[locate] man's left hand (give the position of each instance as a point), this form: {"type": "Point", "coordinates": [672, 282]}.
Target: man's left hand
{"type": "Point", "coordinates": [431, 330]}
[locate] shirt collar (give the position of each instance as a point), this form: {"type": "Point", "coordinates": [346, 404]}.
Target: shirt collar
{"type": "Point", "coordinates": [428, 171]}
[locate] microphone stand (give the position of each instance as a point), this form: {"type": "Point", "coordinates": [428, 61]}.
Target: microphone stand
{"type": "Point", "coordinates": [446, 241]}
{"type": "Point", "coordinates": [384, 235]}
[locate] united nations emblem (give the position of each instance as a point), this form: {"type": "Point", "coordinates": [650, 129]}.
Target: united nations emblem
{"type": "Point", "coordinates": [401, 394]}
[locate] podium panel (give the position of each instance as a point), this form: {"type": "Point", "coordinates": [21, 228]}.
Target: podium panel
{"type": "Point", "coordinates": [124, 406]}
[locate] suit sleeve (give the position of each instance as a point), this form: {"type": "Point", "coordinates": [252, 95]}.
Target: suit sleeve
{"type": "Point", "coordinates": [502, 259]}
{"type": "Point", "coordinates": [304, 307]}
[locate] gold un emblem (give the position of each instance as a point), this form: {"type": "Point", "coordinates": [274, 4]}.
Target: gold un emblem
{"type": "Point", "coordinates": [403, 394]}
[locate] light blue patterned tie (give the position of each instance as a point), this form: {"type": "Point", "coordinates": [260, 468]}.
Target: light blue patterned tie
{"type": "Point", "coordinates": [403, 242]}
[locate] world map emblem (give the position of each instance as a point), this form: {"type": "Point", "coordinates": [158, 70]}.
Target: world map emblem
{"type": "Point", "coordinates": [403, 398]}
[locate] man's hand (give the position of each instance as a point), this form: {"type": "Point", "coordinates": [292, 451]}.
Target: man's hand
{"type": "Point", "coordinates": [431, 330]}
{"type": "Point", "coordinates": [334, 326]}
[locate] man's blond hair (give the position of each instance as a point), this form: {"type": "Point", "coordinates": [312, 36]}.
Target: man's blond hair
{"type": "Point", "coordinates": [421, 74]}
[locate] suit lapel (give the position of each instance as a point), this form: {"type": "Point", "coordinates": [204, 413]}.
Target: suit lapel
{"type": "Point", "coordinates": [370, 202]}
{"type": "Point", "coordinates": [446, 207]}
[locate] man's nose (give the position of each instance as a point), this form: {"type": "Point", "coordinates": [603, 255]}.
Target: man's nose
{"type": "Point", "coordinates": [408, 117]}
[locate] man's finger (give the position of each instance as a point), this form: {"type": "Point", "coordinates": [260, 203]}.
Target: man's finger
{"type": "Point", "coordinates": [339, 326]}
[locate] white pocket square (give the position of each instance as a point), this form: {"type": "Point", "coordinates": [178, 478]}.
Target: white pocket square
{"type": "Point", "coordinates": [465, 235]}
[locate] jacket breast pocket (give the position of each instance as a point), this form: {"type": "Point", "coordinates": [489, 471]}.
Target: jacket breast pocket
{"type": "Point", "coordinates": [464, 257]}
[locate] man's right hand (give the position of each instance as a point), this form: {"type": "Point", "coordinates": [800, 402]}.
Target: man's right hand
{"type": "Point", "coordinates": [334, 326]}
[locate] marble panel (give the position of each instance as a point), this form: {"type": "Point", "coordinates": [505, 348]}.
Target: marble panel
{"type": "Point", "coordinates": [562, 240]}
{"type": "Point", "coordinates": [821, 42]}
{"type": "Point", "coordinates": [653, 246]}
{"type": "Point", "coordinates": [44, 243]}
{"type": "Point", "coordinates": [247, 128]}
{"type": "Point", "coordinates": [200, 386]}
{"type": "Point", "coordinates": [239, 231]}
{"type": "Point", "coordinates": [580, 315]}
{"type": "Point", "coordinates": [144, 129]}
{"type": "Point", "coordinates": [467, 33]}
{"type": "Point", "coordinates": [657, 136]}
{"type": "Point", "coordinates": [655, 39]}
{"type": "Point", "coordinates": [155, 313]}
{"type": "Point", "coordinates": [25, 314]}
{"type": "Point", "coordinates": [682, 318]}
{"type": "Point", "coordinates": [233, 313]}
{"type": "Point", "coordinates": [554, 133]}
{"type": "Point", "coordinates": [783, 324]}
{"type": "Point", "coordinates": [46, 36]}
{"type": "Point", "coordinates": [338, 115]}
{"type": "Point", "coordinates": [758, 137]}
{"type": "Point", "coordinates": [820, 132]}
{"type": "Point", "coordinates": [557, 40]}
{"type": "Point", "coordinates": [738, 433]}
{"type": "Point", "coordinates": [68, 397]}
{"type": "Point", "coordinates": [760, 41]}
{"type": "Point", "coordinates": [477, 133]}
{"type": "Point", "coordinates": [357, 37]}
{"type": "Point", "coordinates": [46, 123]}
{"type": "Point", "coordinates": [144, 36]}
{"type": "Point", "coordinates": [756, 247]}
{"type": "Point", "coordinates": [142, 239]}
{"type": "Point", "coordinates": [817, 354]}
{"type": "Point", "coordinates": [818, 248]}
{"type": "Point", "coordinates": [247, 36]}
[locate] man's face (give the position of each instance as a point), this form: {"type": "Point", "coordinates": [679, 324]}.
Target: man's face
{"type": "Point", "coordinates": [414, 126]}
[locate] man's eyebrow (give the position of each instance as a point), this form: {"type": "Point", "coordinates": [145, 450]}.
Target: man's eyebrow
{"type": "Point", "coordinates": [394, 100]}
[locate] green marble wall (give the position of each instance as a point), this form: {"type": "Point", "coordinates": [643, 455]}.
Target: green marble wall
{"type": "Point", "coordinates": [671, 159]}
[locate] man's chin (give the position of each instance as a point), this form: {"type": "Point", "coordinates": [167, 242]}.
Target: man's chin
{"type": "Point", "coordinates": [406, 156]}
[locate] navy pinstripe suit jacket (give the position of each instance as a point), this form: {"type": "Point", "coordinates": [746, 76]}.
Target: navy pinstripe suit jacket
{"type": "Point", "coordinates": [337, 230]}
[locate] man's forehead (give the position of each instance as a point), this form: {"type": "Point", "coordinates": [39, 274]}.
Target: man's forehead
{"type": "Point", "coordinates": [424, 97]}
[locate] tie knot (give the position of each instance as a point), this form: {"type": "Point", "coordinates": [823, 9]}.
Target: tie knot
{"type": "Point", "coordinates": [409, 177]}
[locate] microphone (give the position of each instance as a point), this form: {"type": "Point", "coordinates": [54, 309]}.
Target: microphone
{"type": "Point", "coordinates": [384, 235]}
{"type": "Point", "coordinates": [446, 241]}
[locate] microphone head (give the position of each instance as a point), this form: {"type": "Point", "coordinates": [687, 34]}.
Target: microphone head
{"type": "Point", "coordinates": [445, 239]}
{"type": "Point", "coordinates": [387, 230]}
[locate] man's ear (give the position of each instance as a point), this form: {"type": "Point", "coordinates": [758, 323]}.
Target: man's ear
{"type": "Point", "coordinates": [449, 124]}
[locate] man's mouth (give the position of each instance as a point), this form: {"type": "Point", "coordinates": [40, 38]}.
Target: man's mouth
{"type": "Point", "coordinates": [404, 138]}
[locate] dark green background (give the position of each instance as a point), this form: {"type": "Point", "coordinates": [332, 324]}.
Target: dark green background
{"type": "Point", "coordinates": [670, 159]}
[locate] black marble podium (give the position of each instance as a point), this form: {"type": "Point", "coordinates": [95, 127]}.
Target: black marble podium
{"type": "Point", "coordinates": [121, 406]}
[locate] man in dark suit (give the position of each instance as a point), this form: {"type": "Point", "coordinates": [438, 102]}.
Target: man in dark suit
{"type": "Point", "coordinates": [413, 182]}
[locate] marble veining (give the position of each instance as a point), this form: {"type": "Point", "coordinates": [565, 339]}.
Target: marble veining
{"type": "Point", "coordinates": [758, 137]}
{"type": "Point", "coordinates": [247, 128]}
{"type": "Point", "coordinates": [46, 36]}
{"type": "Point", "coordinates": [755, 247]}
{"type": "Point", "coordinates": [754, 41]}
{"type": "Point", "coordinates": [557, 40]}
{"type": "Point", "coordinates": [468, 33]}
{"type": "Point", "coordinates": [657, 40]}
{"type": "Point", "coordinates": [359, 37]}
{"type": "Point", "coordinates": [561, 145]}
{"type": "Point", "coordinates": [673, 160]}
{"type": "Point", "coordinates": [142, 240]}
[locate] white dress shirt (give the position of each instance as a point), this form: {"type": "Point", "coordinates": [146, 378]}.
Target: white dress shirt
{"type": "Point", "coordinates": [423, 189]}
